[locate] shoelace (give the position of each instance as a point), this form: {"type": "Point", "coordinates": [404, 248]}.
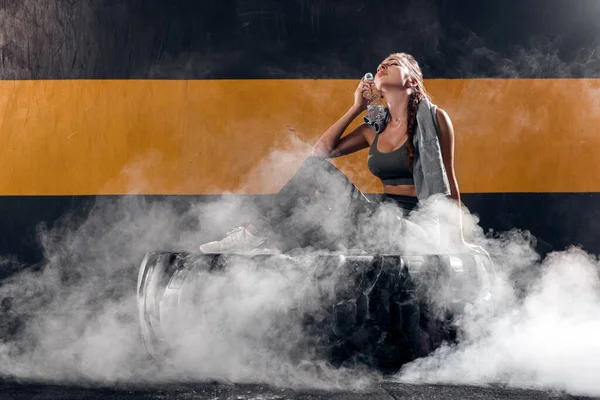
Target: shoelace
{"type": "Point", "coordinates": [235, 230]}
{"type": "Point", "coordinates": [235, 235]}
{"type": "Point", "coordinates": [240, 233]}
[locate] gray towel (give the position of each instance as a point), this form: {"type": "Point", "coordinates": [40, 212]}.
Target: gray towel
{"type": "Point", "coordinates": [428, 170]}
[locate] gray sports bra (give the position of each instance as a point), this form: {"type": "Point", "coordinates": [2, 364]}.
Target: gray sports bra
{"type": "Point", "coordinates": [391, 167]}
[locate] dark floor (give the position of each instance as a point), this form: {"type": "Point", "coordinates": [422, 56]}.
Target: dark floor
{"type": "Point", "coordinates": [386, 390]}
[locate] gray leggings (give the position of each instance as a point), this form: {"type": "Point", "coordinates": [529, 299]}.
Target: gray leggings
{"type": "Point", "coordinates": [319, 207]}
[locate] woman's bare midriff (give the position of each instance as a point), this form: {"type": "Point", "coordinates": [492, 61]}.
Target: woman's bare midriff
{"type": "Point", "coordinates": [402, 190]}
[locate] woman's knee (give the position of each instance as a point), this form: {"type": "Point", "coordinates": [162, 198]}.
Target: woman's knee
{"type": "Point", "coordinates": [314, 161]}
{"type": "Point", "coordinates": [317, 164]}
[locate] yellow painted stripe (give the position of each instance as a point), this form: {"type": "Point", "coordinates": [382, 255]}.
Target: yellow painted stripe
{"type": "Point", "coordinates": [200, 137]}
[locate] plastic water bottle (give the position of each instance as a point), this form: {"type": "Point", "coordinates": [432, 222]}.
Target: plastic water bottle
{"type": "Point", "coordinates": [376, 106]}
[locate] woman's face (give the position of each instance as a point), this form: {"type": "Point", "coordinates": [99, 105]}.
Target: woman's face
{"type": "Point", "coordinates": [392, 72]}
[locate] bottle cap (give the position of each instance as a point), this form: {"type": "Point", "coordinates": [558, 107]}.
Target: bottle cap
{"type": "Point", "coordinates": [369, 76]}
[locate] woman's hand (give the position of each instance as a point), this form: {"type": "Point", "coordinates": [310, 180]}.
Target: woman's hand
{"type": "Point", "coordinates": [363, 93]}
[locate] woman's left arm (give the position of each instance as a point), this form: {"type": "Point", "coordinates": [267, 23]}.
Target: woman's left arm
{"type": "Point", "coordinates": [447, 143]}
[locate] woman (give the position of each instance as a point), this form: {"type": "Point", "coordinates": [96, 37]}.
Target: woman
{"type": "Point", "coordinates": [411, 151]}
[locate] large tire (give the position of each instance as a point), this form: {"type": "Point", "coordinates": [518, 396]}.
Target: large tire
{"type": "Point", "coordinates": [385, 310]}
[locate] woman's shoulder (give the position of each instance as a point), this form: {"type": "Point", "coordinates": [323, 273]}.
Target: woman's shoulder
{"type": "Point", "coordinates": [442, 116]}
{"type": "Point", "coordinates": [441, 113]}
{"type": "Point", "coordinates": [368, 133]}
{"type": "Point", "coordinates": [444, 123]}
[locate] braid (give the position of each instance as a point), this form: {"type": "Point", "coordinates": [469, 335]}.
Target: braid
{"type": "Point", "coordinates": [418, 94]}
{"type": "Point", "coordinates": [411, 116]}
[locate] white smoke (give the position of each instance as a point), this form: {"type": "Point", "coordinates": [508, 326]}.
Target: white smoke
{"type": "Point", "coordinates": [541, 331]}
{"type": "Point", "coordinates": [79, 317]}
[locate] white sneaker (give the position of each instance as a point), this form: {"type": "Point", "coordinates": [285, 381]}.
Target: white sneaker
{"type": "Point", "coordinates": [236, 240]}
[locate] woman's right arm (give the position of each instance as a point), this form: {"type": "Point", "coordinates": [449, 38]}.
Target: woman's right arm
{"type": "Point", "coordinates": [331, 144]}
